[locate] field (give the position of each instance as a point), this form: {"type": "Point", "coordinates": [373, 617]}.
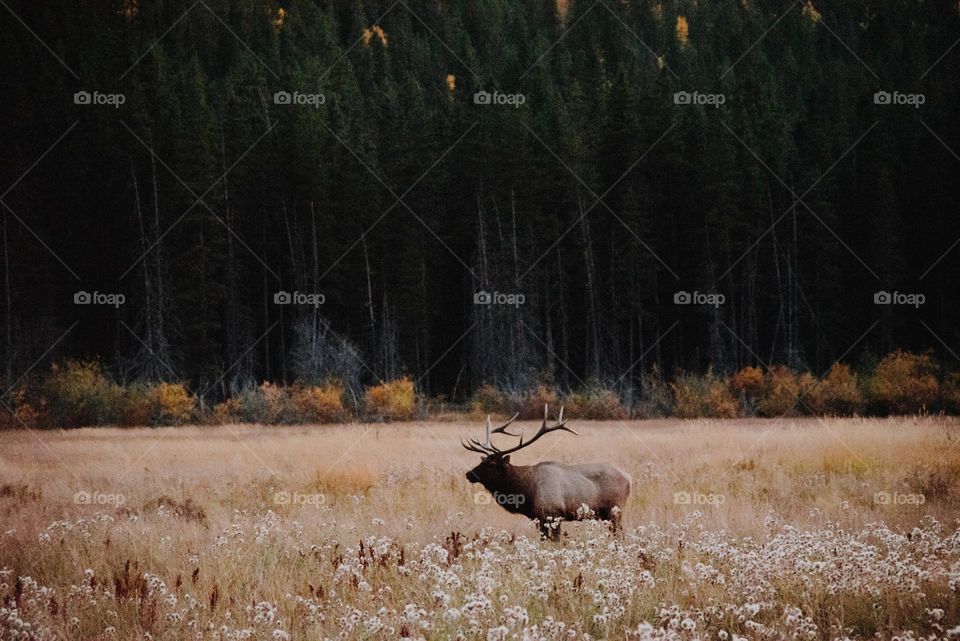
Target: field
{"type": "Point", "coordinates": [800, 529]}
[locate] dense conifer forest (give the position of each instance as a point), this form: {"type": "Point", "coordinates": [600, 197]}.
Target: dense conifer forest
{"type": "Point", "coordinates": [231, 191]}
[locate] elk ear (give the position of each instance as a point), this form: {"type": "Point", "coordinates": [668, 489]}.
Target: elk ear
{"type": "Point", "coordinates": [506, 459]}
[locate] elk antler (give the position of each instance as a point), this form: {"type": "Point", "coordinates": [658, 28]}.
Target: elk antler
{"type": "Point", "coordinates": [489, 449]}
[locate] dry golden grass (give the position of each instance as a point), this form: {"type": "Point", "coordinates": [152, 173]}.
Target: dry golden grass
{"type": "Point", "coordinates": [267, 514]}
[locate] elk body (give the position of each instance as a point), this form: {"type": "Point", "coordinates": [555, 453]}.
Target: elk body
{"type": "Point", "coordinates": [549, 492]}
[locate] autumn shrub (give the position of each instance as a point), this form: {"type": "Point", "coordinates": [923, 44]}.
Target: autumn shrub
{"type": "Point", "coordinates": [228, 411]}
{"type": "Point", "coordinates": [79, 393]}
{"type": "Point", "coordinates": [838, 394]}
{"type": "Point", "coordinates": [951, 393]}
{"type": "Point", "coordinates": [748, 381]}
{"type": "Point", "coordinates": [780, 393]}
{"type": "Point", "coordinates": [173, 404]}
{"type": "Point", "coordinates": [489, 400]}
{"type": "Point", "coordinates": [904, 383]}
{"type": "Point", "coordinates": [530, 403]}
{"type": "Point", "coordinates": [319, 404]}
{"type": "Point", "coordinates": [137, 406]}
{"type": "Point", "coordinates": [697, 396]}
{"type": "Point", "coordinates": [395, 400]}
{"type": "Point", "coordinates": [249, 405]}
{"type": "Point", "coordinates": [655, 398]}
{"type": "Point", "coordinates": [596, 402]}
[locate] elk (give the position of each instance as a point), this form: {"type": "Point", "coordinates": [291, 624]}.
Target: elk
{"type": "Point", "coordinates": [548, 492]}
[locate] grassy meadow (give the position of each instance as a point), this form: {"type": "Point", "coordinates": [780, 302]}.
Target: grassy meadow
{"type": "Point", "coordinates": [761, 529]}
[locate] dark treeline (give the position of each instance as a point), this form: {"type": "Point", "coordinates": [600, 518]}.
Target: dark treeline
{"type": "Point", "coordinates": [597, 199]}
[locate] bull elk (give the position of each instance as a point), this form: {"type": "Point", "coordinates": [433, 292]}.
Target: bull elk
{"type": "Point", "coordinates": [549, 492]}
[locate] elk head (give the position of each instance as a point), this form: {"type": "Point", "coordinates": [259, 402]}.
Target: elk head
{"type": "Point", "coordinates": [493, 472]}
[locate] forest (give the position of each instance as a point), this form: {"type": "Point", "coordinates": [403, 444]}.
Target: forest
{"type": "Point", "coordinates": [227, 192]}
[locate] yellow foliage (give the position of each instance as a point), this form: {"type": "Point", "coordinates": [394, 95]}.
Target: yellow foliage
{"type": "Point", "coordinates": [374, 32]}
{"type": "Point", "coordinates": [279, 20]}
{"type": "Point", "coordinates": [489, 400]}
{"type": "Point", "coordinates": [451, 83]}
{"type": "Point", "coordinates": [174, 403]}
{"type": "Point", "coordinates": [838, 394]}
{"type": "Point", "coordinates": [904, 383]}
{"type": "Point", "coordinates": [748, 381]}
{"type": "Point", "coordinates": [781, 389]}
{"type": "Point", "coordinates": [322, 404]}
{"type": "Point", "coordinates": [595, 403]}
{"type": "Point", "coordinates": [698, 396]}
{"type": "Point", "coordinates": [392, 400]}
{"type": "Point", "coordinates": [683, 31]}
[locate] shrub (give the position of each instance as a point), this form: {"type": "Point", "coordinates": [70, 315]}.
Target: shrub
{"type": "Point", "coordinates": [951, 393]}
{"type": "Point", "coordinates": [228, 411]}
{"type": "Point", "coordinates": [696, 396]}
{"type": "Point", "coordinates": [594, 402]}
{"type": "Point", "coordinates": [79, 394]}
{"type": "Point", "coordinates": [277, 404]}
{"type": "Point", "coordinates": [319, 404]}
{"type": "Point", "coordinates": [394, 400]}
{"type": "Point", "coordinates": [530, 403]}
{"type": "Point", "coordinates": [838, 394]}
{"type": "Point", "coordinates": [656, 398]}
{"type": "Point", "coordinates": [174, 404]}
{"type": "Point", "coordinates": [781, 389]}
{"type": "Point", "coordinates": [749, 381]}
{"type": "Point", "coordinates": [489, 400]}
{"type": "Point", "coordinates": [904, 383]}
{"type": "Point", "coordinates": [137, 406]}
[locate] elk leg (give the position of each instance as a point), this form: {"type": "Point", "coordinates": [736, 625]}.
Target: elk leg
{"type": "Point", "coordinates": [616, 520]}
{"type": "Point", "coordinates": [544, 528]}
